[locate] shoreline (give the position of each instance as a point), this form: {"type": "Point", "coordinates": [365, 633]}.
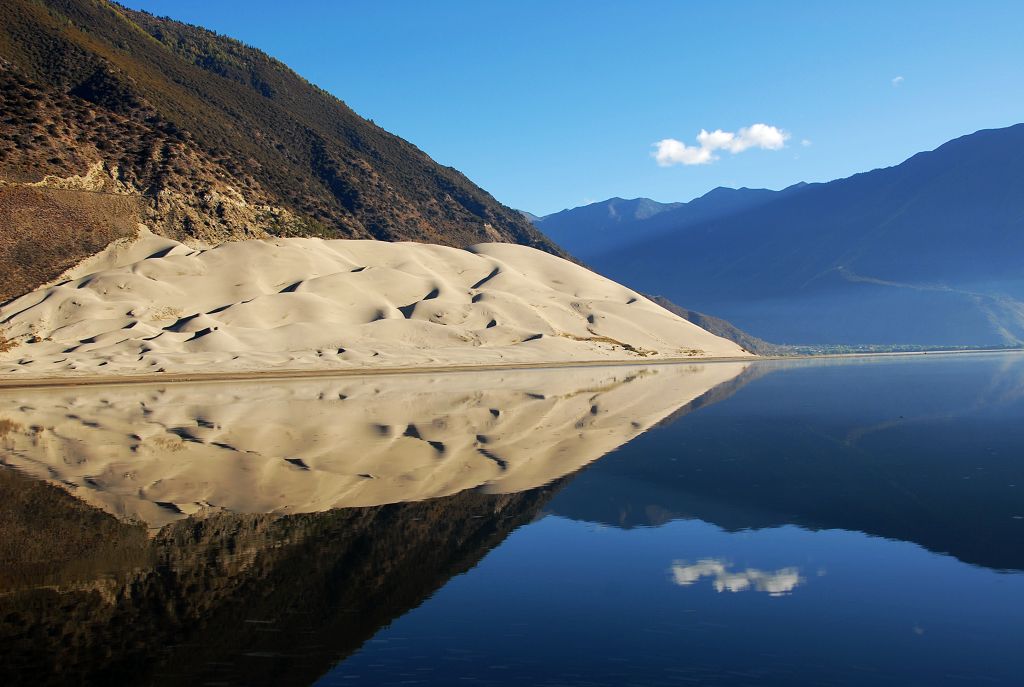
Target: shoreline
{"type": "Point", "coordinates": [270, 375]}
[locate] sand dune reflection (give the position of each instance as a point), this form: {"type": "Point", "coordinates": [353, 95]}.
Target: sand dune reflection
{"type": "Point", "coordinates": [161, 453]}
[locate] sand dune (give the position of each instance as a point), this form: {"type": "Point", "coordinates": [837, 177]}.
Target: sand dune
{"type": "Point", "coordinates": [159, 453]}
{"type": "Point", "coordinates": [154, 304]}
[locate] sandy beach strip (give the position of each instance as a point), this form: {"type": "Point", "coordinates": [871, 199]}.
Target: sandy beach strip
{"type": "Point", "coordinates": [25, 382]}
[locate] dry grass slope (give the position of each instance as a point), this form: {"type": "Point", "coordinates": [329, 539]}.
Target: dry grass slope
{"type": "Point", "coordinates": [44, 231]}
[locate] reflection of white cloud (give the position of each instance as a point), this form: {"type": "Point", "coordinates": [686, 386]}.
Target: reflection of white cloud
{"type": "Point", "coordinates": [777, 583]}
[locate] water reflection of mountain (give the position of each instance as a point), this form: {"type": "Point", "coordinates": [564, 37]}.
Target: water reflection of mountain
{"type": "Point", "coordinates": [243, 599]}
{"type": "Point", "coordinates": [920, 451]}
{"type": "Point", "coordinates": [161, 597]}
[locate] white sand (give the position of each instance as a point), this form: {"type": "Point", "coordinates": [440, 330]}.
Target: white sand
{"type": "Point", "coordinates": [156, 453]}
{"type": "Point", "coordinates": [157, 305]}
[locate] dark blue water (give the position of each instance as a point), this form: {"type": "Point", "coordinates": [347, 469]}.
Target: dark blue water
{"type": "Point", "coordinates": [850, 523]}
{"type": "Point", "coordinates": [830, 522]}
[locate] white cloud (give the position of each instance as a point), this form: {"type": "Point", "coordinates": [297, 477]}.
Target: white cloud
{"type": "Point", "coordinates": [670, 151]}
{"type": "Point", "coordinates": [776, 583]}
{"type": "Point", "coordinates": [897, 81]}
{"type": "Point", "coordinates": [759, 136]}
{"type": "Point", "coordinates": [716, 140]}
{"type": "Point", "coordinates": [806, 143]}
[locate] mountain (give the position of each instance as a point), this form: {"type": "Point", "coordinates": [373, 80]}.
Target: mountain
{"type": "Point", "coordinates": [927, 252]}
{"type": "Point", "coordinates": [530, 217]}
{"type": "Point", "coordinates": [600, 226]}
{"type": "Point", "coordinates": [592, 231]}
{"type": "Point", "coordinates": [595, 229]}
{"type": "Point", "coordinates": [114, 117]}
{"type": "Point", "coordinates": [725, 329]}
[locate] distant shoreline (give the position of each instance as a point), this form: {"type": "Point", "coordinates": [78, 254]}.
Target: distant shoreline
{"type": "Point", "coordinates": [269, 375]}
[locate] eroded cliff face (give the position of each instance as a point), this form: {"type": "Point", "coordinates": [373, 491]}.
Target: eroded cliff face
{"type": "Point", "coordinates": [250, 599]}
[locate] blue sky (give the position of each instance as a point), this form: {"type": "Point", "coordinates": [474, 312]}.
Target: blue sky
{"type": "Point", "coordinates": [555, 104]}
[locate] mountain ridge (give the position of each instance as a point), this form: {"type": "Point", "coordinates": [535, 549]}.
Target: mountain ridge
{"type": "Point", "coordinates": [596, 228]}
{"type": "Point", "coordinates": [925, 252]}
{"type": "Point", "coordinates": [218, 140]}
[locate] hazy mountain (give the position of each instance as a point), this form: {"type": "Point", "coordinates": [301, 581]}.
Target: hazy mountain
{"type": "Point", "coordinates": [725, 329]}
{"type": "Point", "coordinates": [925, 252]}
{"type": "Point", "coordinates": [594, 229]}
{"type": "Point", "coordinates": [530, 217]}
{"type": "Point", "coordinates": [600, 226]}
{"type": "Point", "coordinates": [214, 140]}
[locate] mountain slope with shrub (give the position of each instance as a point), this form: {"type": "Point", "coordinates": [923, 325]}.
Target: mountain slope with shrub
{"type": "Point", "coordinates": [214, 139]}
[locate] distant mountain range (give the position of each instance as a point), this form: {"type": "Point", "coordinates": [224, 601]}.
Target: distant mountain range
{"type": "Point", "coordinates": [928, 252]}
{"type": "Point", "coordinates": [595, 229]}
{"type": "Point", "coordinates": [599, 227]}
{"type": "Point", "coordinates": [136, 118]}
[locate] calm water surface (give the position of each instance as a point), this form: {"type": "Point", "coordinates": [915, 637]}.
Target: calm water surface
{"type": "Point", "coordinates": [853, 522]}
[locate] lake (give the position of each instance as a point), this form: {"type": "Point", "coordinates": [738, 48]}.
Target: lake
{"type": "Point", "coordinates": [855, 521]}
